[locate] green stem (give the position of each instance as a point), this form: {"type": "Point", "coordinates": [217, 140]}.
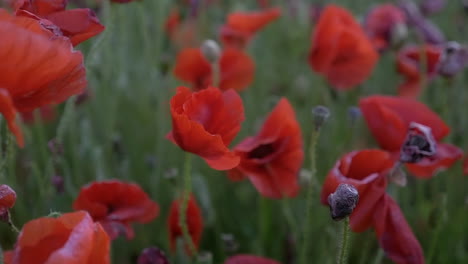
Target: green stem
{"type": "Point", "coordinates": [187, 189]}
{"type": "Point", "coordinates": [342, 258]}
{"type": "Point", "coordinates": [309, 198]}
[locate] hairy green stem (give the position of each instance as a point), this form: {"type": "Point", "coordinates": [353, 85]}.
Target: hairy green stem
{"type": "Point", "coordinates": [309, 198]}
{"type": "Point", "coordinates": [342, 257]}
{"type": "Point", "coordinates": [186, 190]}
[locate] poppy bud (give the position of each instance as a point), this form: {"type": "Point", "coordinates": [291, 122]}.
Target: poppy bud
{"type": "Point", "coordinates": [230, 243]}
{"type": "Point", "coordinates": [211, 50]}
{"type": "Point", "coordinates": [320, 114]}
{"type": "Point", "coordinates": [454, 59]}
{"type": "Point", "coordinates": [419, 143]}
{"type": "Point", "coordinates": [7, 200]}
{"type": "Point", "coordinates": [152, 255]}
{"type": "Point", "coordinates": [343, 201]}
{"type": "Point", "coordinates": [398, 34]}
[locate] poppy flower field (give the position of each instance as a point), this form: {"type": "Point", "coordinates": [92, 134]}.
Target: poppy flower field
{"type": "Point", "coordinates": [234, 132]}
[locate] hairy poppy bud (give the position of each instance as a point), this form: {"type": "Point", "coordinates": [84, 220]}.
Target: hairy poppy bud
{"type": "Point", "coordinates": [419, 143]}
{"type": "Point", "coordinates": [343, 201]}
{"type": "Point", "coordinates": [152, 255]}
{"type": "Point", "coordinates": [320, 114]}
{"type": "Point", "coordinates": [211, 50]}
{"type": "Point", "coordinates": [454, 59]}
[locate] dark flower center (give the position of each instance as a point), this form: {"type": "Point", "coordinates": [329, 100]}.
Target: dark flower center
{"type": "Point", "coordinates": [261, 151]}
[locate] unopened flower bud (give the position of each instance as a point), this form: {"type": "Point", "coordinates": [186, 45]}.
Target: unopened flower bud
{"type": "Point", "coordinates": [453, 59]}
{"type": "Point", "coordinates": [211, 50]}
{"type": "Point", "coordinates": [419, 143]}
{"type": "Point", "coordinates": [343, 201]}
{"type": "Point", "coordinates": [152, 255]}
{"type": "Point", "coordinates": [320, 114]}
{"type": "Point", "coordinates": [398, 34]}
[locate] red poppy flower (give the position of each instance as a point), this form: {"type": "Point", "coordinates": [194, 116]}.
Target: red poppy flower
{"type": "Point", "coordinates": [194, 223]}
{"type": "Point", "coordinates": [272, 159]}
{"type": "Point", "coordinates": [116, 205]}
{"type": "Point", "coordinates": [367, 171]}
{"type": "Point", "coordinates": [72, 238]}
{"type": "Point", "coordinates": [205, 123]}
{"type": "Point", "coordinates": [236, 69]}
{"type": "Point", "coordinates": [395, 235]}
{"type": "Point", "coordinates": [7, 199]}
{"type": "Point", "coordinates": [249, 259]}
{"type": "Point", "coordinates": [37, 67]}
{"type": "Point", "coordinates": [388, 118]}
{"type": "Point", "coordinates": [409, 64]}
{"type": "Point", "coordinates": [381, 22]}
{"type": "Point", "coordinates": [76, 24]}
{"type": "Point", "coordinates": [341, 50]}
{"type": "Point", "coordinates": [242, 26]}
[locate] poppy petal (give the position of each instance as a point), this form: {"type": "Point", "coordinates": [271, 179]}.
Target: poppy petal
{"type": "Point", "coordinates": [8, 110]}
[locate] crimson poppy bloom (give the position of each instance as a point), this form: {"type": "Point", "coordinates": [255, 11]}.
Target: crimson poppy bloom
{"type": "Point", "coordinates": [116, 205]}
{"type": "Point", "coordinates": [7, 200]}
{"type": "Point", "coordinates": [367, 171]}
{"type": "Point", "coordinates": [381, 24]}
{"type": "Point", "coordinates": [341, 51]}
{"type": "Point", "coordinates": [37, 67]}
{"type": "Point", "coordinates": [236, 69]}
{"type": "Point", "coordinates": [388, 118]}
{"type": "Point", "coordinates": [72, 238]}
{"type": "Point", "coordinates": [77, 24]}
{"type": "Point", "coordinates": [409, 62]}
{"type": "Point", "coordinates": [249, 259]}
{"type": "Point", "coordinates": [194, 223]}
{"type": "Point", "coordinates": [272, 159]}
{"type": "Point", "coordinates": [242, 26]}
{"type": "Point", "coordinates": [205, 123]}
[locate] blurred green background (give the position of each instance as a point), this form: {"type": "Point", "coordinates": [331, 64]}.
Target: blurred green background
{"type": "Point", "coordinates": [120, 133]}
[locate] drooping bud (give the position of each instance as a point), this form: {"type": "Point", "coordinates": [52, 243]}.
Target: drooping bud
{"type": "Point", "coordinates": [211, 50]}
{"type": "Point", "coordinates": [152, 255]}
{"type": "Point", "coordinates": [343, 201]}
{"type": "Point", "coordinates": [419, 143]}
{"type": "Point", "coordinates": [7, 201]}
{"type": "Point", "coordinates": [453, 60]}
{"type": "Point", "coordinates": [320, 114]}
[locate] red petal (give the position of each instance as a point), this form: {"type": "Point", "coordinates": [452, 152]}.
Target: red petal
{"type": "Point", "coordinates": [444, 158]}
{"type": "Point", "coordinates": [77, 24]}
{"type": "Point", "coordinates": [366, 170]}
{"type": "Point", "coordinates": [388, 119]}
{"type": "Point", "coordinates": [8, 110]}
{"type": "Point", "coordinates": [251, 22]}
{"type": "Point", "coordinates": [249, 259]}
{"type": "Point", "coordinates": [42, 7]}
{"type": "Point", "coordinates": [237, 70]}
{"type": "Point", "coordinates": [193, 68]}
{"type": "Point", "coordinates": [395, 235]}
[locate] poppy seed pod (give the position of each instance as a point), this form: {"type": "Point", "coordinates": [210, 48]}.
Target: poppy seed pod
{"type": "Point", "coordinates": [152, 255]}
{"type": "Point", "coordinates": [343, 201]}
{"type": "Point", "coordinates": [320, 114]}
{"type": "Point", "coordinates": [419, 143]}
{"type": "Point", "coordinates": [211, 50]}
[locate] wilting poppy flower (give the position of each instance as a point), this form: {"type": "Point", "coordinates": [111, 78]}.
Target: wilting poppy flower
{"type": "Point", "coordinates": [272, 159]}
{"type": "Point", "coordinates": [236, 69]}
{"type": "Point", "coordinates": [249, 259]}
{"type": "Point", "coordinates": [37, 67]}
{"type": "Point", "coordinates": [194, 223]}
{"type": "Point", "coordinates": [382, 24]}
{"type": "Point", "coordinates": [205, 123]}
{"type": "Point", "coordinates": [7, 200]}
{"type": "Point", "coordinates": [72, 238]}
{"type": "Point", "coordinates": [242, 26]}
{"type": "Point", "coordinates": [367, 171]}
{"type": "Point", "coordinates": [410, 62]}
{"type": "Point", "coordinates": [76, 24]}
{"type": "Point", "coordinates": [389, 118]}
{"type": "Point", "coordinates": [341, 50]}
{"type": "Point", "coordinates": [116, 205]}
